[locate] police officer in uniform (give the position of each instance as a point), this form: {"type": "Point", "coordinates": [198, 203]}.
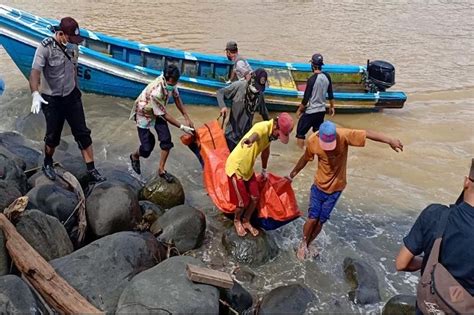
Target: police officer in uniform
{"type": "Point", "coordinates": [54, 65]}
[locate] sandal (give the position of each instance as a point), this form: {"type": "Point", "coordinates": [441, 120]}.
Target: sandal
{"type": "Point", "coordinates": [168, 177]}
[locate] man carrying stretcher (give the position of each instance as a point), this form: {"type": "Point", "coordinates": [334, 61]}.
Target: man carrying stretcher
{"type": "Point", "coordinates": [244, 190]}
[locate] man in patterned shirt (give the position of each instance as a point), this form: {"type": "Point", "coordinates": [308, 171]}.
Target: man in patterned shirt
{"type": "Point", "coordinates": [149, 111]}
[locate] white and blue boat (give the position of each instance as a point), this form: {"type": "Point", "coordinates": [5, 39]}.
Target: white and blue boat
{"type": "Point", "coordinates": [119, 67]}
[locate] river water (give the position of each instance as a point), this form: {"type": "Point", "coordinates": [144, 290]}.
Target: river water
{"type": "Point", "coordinates": [429, 42]}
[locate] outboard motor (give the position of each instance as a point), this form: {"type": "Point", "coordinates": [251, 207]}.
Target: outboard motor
{"type": "Point", "coordinates": [381, 75]}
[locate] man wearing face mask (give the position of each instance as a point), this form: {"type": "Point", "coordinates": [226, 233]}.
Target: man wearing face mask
{"type": "Point", "coordinates": [246, 99]}
{"type": "Point", "coordinates": [243, 185]}
{"type": "Point", "coordinates": [54, 66]}
{"type": "Point", "coordinates": [149, 111]}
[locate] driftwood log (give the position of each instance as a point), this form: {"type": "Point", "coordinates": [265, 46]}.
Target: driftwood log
{"type": "Point", "coordinates": [52, 287]}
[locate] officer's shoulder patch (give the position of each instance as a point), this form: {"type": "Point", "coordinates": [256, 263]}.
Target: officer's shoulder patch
{"type": "Point", "coordinates": [47, 41]}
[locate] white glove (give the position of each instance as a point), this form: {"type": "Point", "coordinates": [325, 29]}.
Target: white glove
{"type": "Point", "coordinates": [36, 104]}
{"type": "Point", "coordinates": [186, 129]}
{"type": "Point", "coordinates": [264, 173]}
{"type": "Point", "coordinates": [228, 82]}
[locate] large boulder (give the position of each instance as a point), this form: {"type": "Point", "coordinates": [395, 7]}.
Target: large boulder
{"type": "Point", "coordinates": [101, 270]}
{"type": "Point", "coordinates": [120, 174]}
{"type": "Point", "coordinates": [111, 208]}
{"type": "Point", "coordinates": [45, 233]}
{"type": "Point", "coordinates": [165, 289]}
{"type": "Point", "coordinates": [12, 174]}
{"type": "Point", "coordinates": [184, 226]}
{"type": "Point", "coordinates": [250, 250]}
{"type": "Point", "coordinates": [363, 280]}
{"type": "Point", "coordinates": [75, 165]}
{"type": "Point", "coordinates": [4, 257]}
{"type": "Point", "coordinates": [56, 201]}
{"type": "Point", "coordinates": [16, 297]}
{"type": "Point", "coordinates": [290, 299]}
{"type": "Point", "coordinates": [400, 305]}
{"type": "Point", "coordinates": [237, 297]}
{"type": "Point", "coordinates": [15, 147]}
{"type": "Point", "coordinates": [164, 194]}
{"type": "Point", "coordinates": [8, 194]}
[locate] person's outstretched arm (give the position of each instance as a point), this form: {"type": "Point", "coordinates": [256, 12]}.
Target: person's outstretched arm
{"type": "Point", "coordinates": [180, 106]}
{"type": "Point", "coordinates": [395, 144]}
{"type": "Point", "coordinates": [406, 261]}
{"type": "Point", "coordinates": [299, 166]}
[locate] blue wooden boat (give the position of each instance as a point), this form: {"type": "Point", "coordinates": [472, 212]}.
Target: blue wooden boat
{"type": "Point", "coordinates": [122, 68]}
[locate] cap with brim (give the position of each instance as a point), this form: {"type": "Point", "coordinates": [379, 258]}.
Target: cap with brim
{"type": "Point", "coordinates": [285, 126]}
{"type": "Point", "coordinates": [327, 136]}
{"type": "Point", "coordinates": [70, 27]}
{"type": "Point", "coordinates": [231, 45]}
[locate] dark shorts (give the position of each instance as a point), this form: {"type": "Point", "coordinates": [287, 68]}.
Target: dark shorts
{"type": "Point", "coordinates": [241, 191]}
{"type": "Point", "coordinates": [69, 108]}
{"type": "Point", "coordinates": [147, 139]}
{"type": "Point", "coordinates": [321, 204]}
{"type": "Point", "coordinates": [308, 121]}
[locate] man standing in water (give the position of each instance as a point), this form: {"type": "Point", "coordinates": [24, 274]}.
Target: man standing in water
{"type": "Point", "coordinates": [331, 146]}
{"type": "Point", "coordinates": [55, 63]}
{"type": "Point", "coordinates": [242, 70]}
{"type": "Point", "coordinates": [247, 98]}
{"type": "Point", "coordinates": [312, 110]}
{"type": "Point", "coordinates": [244, 191]}
{"type": "Point", "coordinates": [149, 111]}
{"type": "Point", "coordinates": [455, 224]}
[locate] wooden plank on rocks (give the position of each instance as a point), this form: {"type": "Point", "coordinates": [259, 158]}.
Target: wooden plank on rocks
{"type": "Point", "coordinates": [209, 276]}
{"type": "Point", "coordinates": [52, 287]}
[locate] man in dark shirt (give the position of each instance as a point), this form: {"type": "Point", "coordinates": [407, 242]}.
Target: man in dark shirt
{"type": "Point", "coordinates": [457, 251]}
{"type": "Point", "coordinates": [313, 106]}
{"type": "Point", "coordinates": [246, 98]}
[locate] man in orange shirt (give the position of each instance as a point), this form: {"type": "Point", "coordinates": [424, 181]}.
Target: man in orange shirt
{"type": "Point", "coordinates": [331, 146]}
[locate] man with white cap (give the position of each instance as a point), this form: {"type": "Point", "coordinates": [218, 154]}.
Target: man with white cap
{"type": "Point", "coordinates": [331, 146]}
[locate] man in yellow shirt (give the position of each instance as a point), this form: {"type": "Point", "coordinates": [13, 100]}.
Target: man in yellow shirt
{"type": "Point", "coordinates": [331, 146]}
{"type": "Point", "coordinates": [244, 191]}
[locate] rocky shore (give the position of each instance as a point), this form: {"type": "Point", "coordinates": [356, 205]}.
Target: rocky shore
{"type": "Point", "coordinates": [139, 239]}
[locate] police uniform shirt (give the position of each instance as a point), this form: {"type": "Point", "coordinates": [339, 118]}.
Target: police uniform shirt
{"type": "Point", "coordinates": [57, 71]}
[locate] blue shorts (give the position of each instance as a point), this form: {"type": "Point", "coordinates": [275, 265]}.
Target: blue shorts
{"type": "Point", "coordinates": [321, 204]}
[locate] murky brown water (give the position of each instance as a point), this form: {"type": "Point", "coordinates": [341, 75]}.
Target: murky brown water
{"type": "Point", "coordinates": [429, 42]}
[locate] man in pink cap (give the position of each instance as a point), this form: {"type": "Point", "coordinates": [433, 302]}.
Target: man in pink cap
{"type": "Point", "coordinates": [244, 192]}
{"type": "Point", "coordinates": [331, 146]}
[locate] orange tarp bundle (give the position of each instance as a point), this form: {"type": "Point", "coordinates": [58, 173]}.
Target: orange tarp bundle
{"type": "Point", "coordinates": [277, 198]}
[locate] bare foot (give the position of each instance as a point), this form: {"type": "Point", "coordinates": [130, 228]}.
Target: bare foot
{"type": "Point", "coordinates": [314, 251]}
{"type": "Point", "coordinates": [250, 228]}
{"type": "Point", "coordinates": [302, 250]}
{"type": "Point", "coordinates": [239, 228]}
